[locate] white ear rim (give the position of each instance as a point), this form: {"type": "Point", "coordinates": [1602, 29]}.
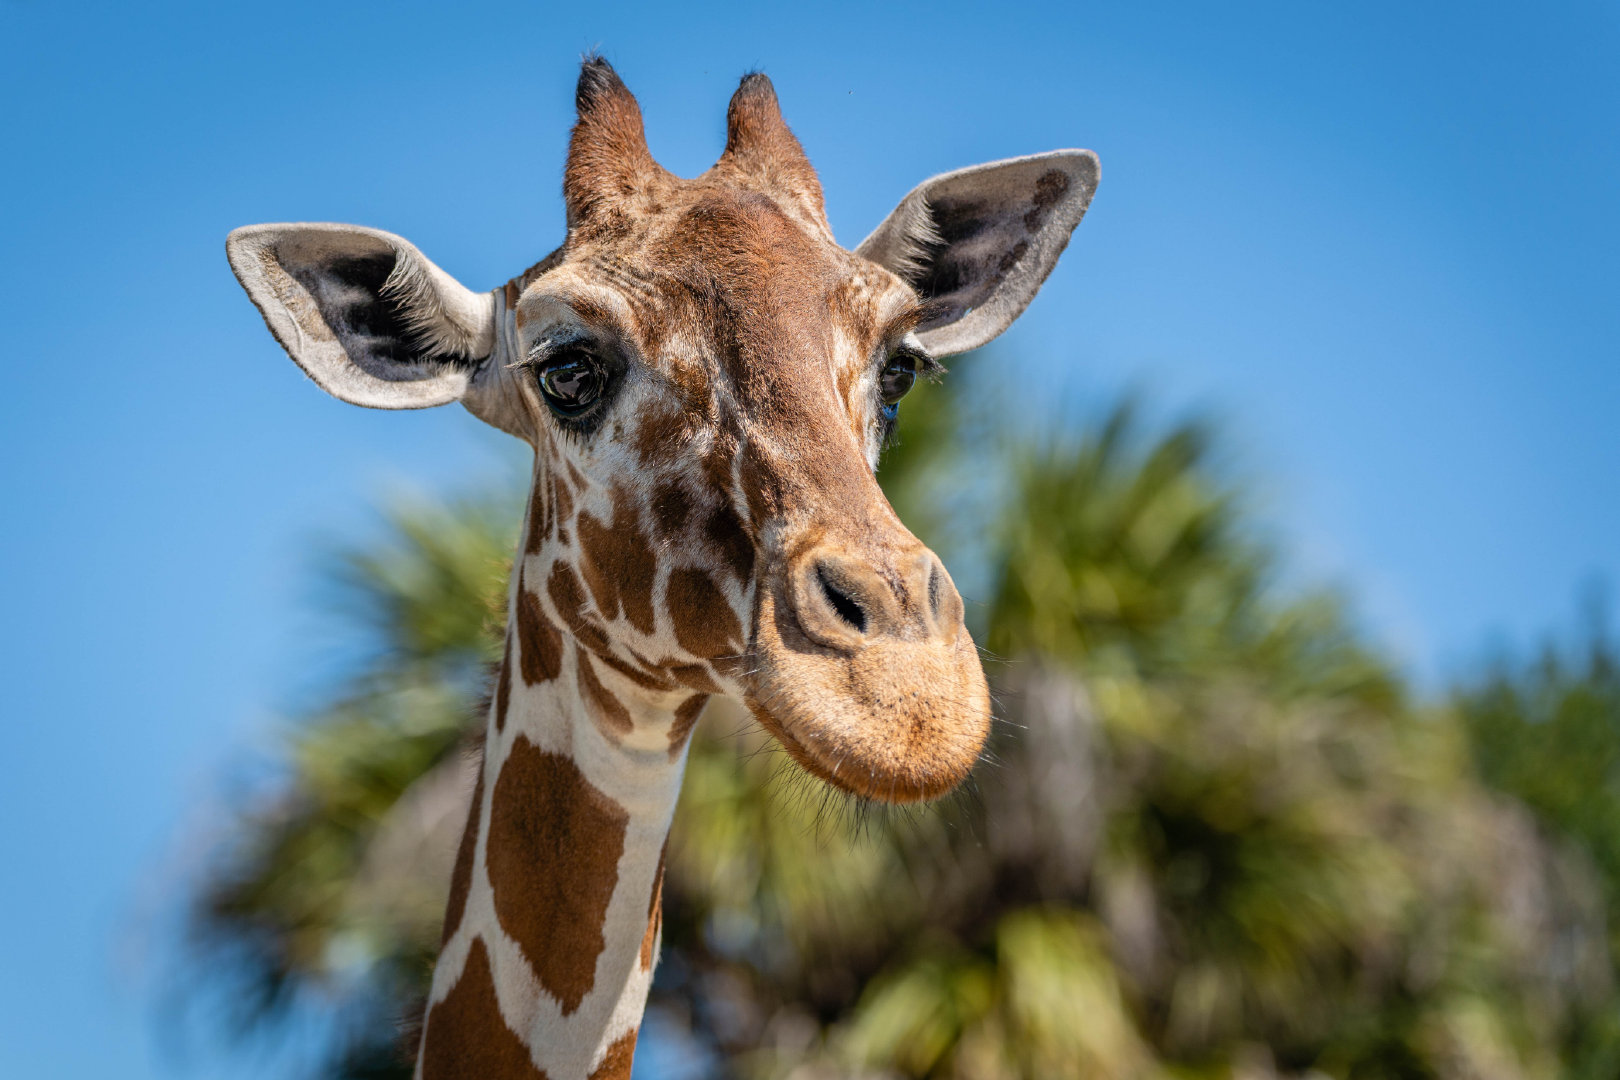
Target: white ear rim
{"type": "Point", "coordinates": [893, 243]}
{"type": "Point", "coordinates": [468, 318]}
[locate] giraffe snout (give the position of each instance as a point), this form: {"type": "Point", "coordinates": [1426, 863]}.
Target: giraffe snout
{"type": "Point", "coordinates": [845, 601]}
{"type": "Point", "coordinates": [864, 671]}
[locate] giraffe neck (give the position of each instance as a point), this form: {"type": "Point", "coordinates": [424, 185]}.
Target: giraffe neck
{"type": "Point", "coordinates": [554, 916]}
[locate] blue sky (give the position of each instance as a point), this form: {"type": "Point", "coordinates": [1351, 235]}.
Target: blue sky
{"type": "Point", "coordinates": [1382, 240]}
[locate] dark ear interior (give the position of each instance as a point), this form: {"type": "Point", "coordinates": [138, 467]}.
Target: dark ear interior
{"type": "Point", "coordinates": [382, 311]}
{"type": "Point", "coordinates": [364, 313]}
{"type": "Point", "coordinates": [977, 243]}
{"type": "Point", "coordinates": [371, 322]}
{"type": "Point", "coordinates": [978, 240]}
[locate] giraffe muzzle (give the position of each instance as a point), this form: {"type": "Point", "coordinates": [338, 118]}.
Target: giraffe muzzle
{"type": "Point", "coordinates": [866, 673]}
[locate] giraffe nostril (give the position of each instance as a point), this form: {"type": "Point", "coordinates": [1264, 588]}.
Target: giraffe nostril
{"type": "Point", "coordinates": [842, 602]}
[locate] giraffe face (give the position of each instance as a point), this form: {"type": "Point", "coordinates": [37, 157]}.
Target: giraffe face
{"type": "Point", "coordinates": [707, 377]}
{"type": "Point", "coordinates": [710, 510]}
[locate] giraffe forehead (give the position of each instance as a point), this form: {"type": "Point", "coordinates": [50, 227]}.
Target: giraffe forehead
{"type": "Point", "coordinates": [753, 273]}
{"type": "Point", "coordinates": [719, 273]}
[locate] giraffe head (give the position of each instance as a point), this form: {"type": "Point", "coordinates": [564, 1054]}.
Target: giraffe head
{"type": "Point", "coordinates": [707, 379]}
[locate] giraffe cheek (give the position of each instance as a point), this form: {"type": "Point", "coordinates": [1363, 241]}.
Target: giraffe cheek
{"type": "Point", "coordinates": [568, 598]}
{"type": "Point", "coordinates": [726, 534]}
{"type": "Point", "coordinates": [618, 564]}
{"type": "Point", "coordinates": [705, 625]}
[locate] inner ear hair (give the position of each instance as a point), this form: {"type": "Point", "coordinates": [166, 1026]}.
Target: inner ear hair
{"type": "Point", "coordinates": [916, 244]}
{"type": "Point", "coordinates": [377, 301]}
{"type": "Point", "coordinates": [429, 330]}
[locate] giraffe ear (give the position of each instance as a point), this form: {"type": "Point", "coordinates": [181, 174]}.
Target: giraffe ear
{"type": "Point", "coordinates": [978, 242]}
{"type": "Point", "coordinates": [364, 313]}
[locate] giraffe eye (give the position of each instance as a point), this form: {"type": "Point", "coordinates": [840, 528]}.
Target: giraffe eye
{"type": "Point", "coordinates": [898, 376]}
{"type": "Point", "coordinates": [571, 382]}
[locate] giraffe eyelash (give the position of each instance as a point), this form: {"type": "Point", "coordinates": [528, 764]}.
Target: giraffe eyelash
{"type": "Point", "coordinates": [927, 366]}
{"type": "Point", "coordinates": [888, 431]}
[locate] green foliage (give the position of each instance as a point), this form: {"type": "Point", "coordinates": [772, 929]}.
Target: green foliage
{"type": "Point", "coordinates": [1042, 1000]}
{"type": "Point", "coordinates": [1212, 837]}
{"type": "Point", "coordinates": [1128, 557]}
{"type": "Point", "coordinates": [1548, 733]}
{"type": "Point", "coordinates": [1218, 842]}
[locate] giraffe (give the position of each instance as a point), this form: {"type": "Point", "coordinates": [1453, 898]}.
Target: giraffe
{"type": "Point", "coordinates": [706, 379]}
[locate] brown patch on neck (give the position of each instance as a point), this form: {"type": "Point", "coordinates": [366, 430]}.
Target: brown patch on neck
{"type": "Point", "coordinates": [541, 509]}
{"type": "Point", "coordinates": [466, 1034]}
{"type": "Point", "coordinates": [563, 499]}
{"type": "Point", "coordinates": [686, 715]}
{"type": "Point", "coordinates": [539, 643]}
{"type": "Point", "coordinates": [705, 625]}
{"type": "Point", "coordinates": [695, 677]}
{"type": "Point", "coordinates": [568, 597]}
{"type": "Point", "coordinates": [645, 676]}
{"type": "Point", "coordinates": [461, 877]}
{"type": "Point", "coordinates": [503, 687]}
{"type": "Point", "coordinates": [615, 1063]}
{"type": "Point", "coordinates": [553, 858]}
{"type": "Point", "coordinates": [607, 711]}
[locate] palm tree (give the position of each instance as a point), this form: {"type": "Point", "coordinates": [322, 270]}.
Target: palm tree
{"type": "Point", "coordinates": [1212, 836]}
{"type": "Point", "coordinates": [1217, 841]}
{"type": "Point", "coordinates": [1547, 732]}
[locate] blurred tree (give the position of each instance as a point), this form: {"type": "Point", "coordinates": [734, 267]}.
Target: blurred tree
{"type": "Point", "coordinates": [1212, 837]}
{"type": "Point", "coordinates": [327, 892]}
{"type": "Point", "coordinates": [1218, 840]}
{"type": "Point", "coordinates": [1547, 732]}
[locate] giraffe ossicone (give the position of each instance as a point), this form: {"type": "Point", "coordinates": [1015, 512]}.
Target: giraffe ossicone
{"type": "Point", "coordinates": [706, 378]}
